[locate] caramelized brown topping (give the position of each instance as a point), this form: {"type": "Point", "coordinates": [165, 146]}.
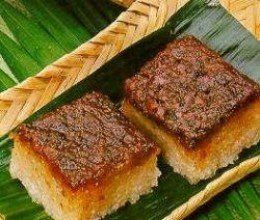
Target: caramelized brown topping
{"type": "Point", "coordinates": [189, 89]}
{"type": "Point", "coordinates": [87, 140]}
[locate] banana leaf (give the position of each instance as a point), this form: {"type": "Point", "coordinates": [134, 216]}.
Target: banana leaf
{"type": "Point", "coordinates": [239, 202]}
{"type": "Point", "coordinates": [215, 27]}
{"type": "Point", "coordinates": [37, 32]}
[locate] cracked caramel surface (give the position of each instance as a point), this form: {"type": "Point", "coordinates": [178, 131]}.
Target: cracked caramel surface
{"type": "Point", "coordinates": [87, 140]}
{"type": "Point", "coordinates": [189, 89]}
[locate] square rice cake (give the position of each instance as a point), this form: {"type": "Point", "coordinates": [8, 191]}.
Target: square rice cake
{"type": "Point", "coordinates": [197, 107]}
{"type": "Point", "coordinates": [84, 160]}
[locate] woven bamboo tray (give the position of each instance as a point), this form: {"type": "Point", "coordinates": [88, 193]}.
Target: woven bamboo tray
{"type": "Point", "coordinates": [245, 11]}
{"type": "Point", "coordinates": [139, 20]}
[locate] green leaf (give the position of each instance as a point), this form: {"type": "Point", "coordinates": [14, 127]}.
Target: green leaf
{"type": "Point", "coordinates": [228, 205]}
{"type": "Point", "coordinates": [38, 43]}
{"type": "Point", "coordinates": [19, 61]}
{"type": "Point", "coordinates": [214, 27]}
{"type": "Point", "coordinates": [41, 31]}
{"type": "Point", "coordinates": [64, 28]}
{"type": "Point", "coordinates": [250, 197]}
{"type": "Point", "coordinates": [5, 81]}
{"type": "Point", "coordinates": [112, 13]}
{"type": "Point", "coordinates": [86, 11]}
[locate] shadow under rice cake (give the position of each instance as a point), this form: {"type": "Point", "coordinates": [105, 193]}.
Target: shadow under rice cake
{"type": "Point", "coordinates": [84, 160]}
{"type": "Point", "coordinates": [197, 107]}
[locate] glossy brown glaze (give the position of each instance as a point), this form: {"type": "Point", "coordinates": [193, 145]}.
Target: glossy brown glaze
{"type": "Point", "coordinates": [87, 140]}
{"type": "Point", "coordinates": [189, 89]}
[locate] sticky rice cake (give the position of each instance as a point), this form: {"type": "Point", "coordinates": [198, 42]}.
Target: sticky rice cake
{"type": "Point", "coordinates": [197, 107]}
{"type": "Point", "coordinates": [84, 160]}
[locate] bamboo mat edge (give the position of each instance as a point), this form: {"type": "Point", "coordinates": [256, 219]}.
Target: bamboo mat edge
{"type": "Point", "coordinates": [247, 12]}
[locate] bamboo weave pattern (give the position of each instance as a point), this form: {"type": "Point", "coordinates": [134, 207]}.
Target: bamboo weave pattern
{"type": "Point", "coordinates": [245, 11]}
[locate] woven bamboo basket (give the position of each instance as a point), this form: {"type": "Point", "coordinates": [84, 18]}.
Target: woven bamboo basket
{"type": "Point", "coordinates": [245, 11]}
{"type": "Point", "coordinates": [140, 19]}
